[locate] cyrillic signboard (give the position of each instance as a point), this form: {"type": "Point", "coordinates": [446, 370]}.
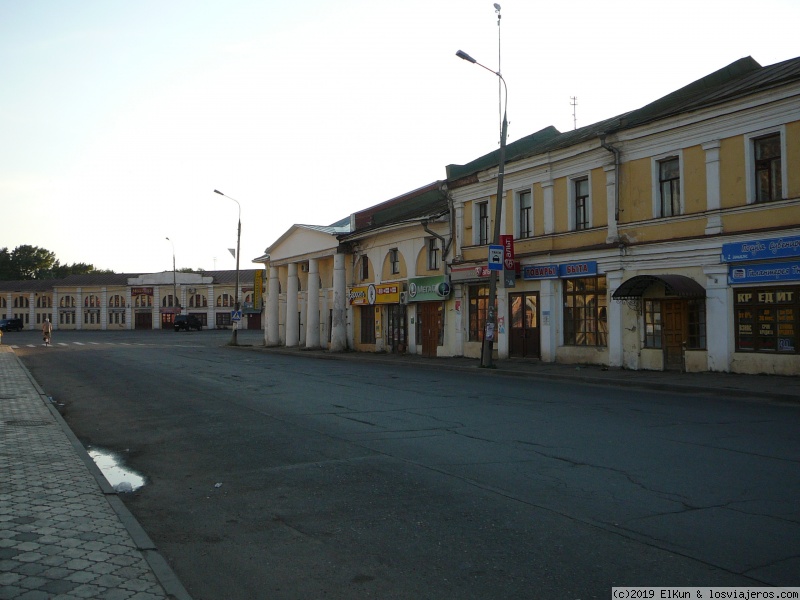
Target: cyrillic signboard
{"type": "Point", "coordinates": [764, 272]}
{"type": "Point", "coordinates": [141, 291]}
{"type": "Point", "coordinates": [565, 271]}
{"type": "Point", "coordinates": [787, 247]}
{"type": "Point", "coordinates": [428, 289]}
{"type": "Point", "coordinates": [385, 293]}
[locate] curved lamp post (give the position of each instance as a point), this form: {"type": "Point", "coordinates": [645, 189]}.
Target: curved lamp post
{"type": "Point", "coordinates": [491, 318]}
{"type": "Point", "coordinates": [174, 281]}
{"type": "Point", "coordinates": [234, 327]}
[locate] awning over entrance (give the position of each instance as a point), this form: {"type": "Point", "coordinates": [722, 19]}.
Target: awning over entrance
{"type": "Point", "coordinates": [675, 285]}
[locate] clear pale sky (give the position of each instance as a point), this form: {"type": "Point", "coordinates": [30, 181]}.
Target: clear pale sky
{"type": "Point", "coordinates": [119, 119]}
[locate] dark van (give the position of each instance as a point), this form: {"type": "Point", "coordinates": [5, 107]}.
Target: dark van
{"type": "Point", "coordinates": [11, 324]}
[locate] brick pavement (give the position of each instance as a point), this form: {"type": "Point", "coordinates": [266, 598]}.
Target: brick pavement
{"type": "Point", "coordinates": [64, 533]}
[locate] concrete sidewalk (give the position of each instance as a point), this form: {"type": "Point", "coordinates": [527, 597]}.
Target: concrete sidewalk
{"type": "Point", "coordinates": [64, 532]}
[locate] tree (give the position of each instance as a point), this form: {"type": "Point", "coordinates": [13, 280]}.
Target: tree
{"type": "Point", "coordinates": [31, 262]}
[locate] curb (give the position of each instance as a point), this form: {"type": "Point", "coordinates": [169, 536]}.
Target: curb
{"type": "Point", "coordinates": [163, 572]}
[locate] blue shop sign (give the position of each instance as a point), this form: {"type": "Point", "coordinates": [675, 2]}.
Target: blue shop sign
{"type": "Point", "coordinates": [540, 272]}
{"type": "Point", "coordinates": [568, 270]}
{"type": "Point", "coordinates": [764, 272]}
{"type": "Point", "coordinates": [787, 247]}
{"type": "Point", "coordinates": [578, 269]}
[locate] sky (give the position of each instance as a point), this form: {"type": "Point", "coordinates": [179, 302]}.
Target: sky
{"type": "Point", "coordinates": [118, 120]}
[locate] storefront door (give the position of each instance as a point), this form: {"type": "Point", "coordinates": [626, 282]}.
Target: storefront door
{"type": "Point", "coordinates": [397, 332]}
{"type": "Point", "coordinates": [430, 316]}
{"type": "Point", "coordinates": [524, 325]}
{"type": "Point", "coordinates": [143, 320]}
{"type": "Point", "coordinates": [674, 332]}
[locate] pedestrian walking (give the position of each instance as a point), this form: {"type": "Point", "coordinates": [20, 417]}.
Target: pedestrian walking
{"type": "Point", "coordinates": [47, 330]}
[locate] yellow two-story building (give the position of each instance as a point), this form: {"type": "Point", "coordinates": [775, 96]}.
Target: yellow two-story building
{"type": "Point", "coordinates": [664, 238]}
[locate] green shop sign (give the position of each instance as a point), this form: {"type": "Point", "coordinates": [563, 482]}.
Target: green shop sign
{"type": "Point", "coordinates": [428, 289]}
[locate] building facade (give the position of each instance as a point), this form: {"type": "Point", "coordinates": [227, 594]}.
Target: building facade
{"type": "Point", "coordinates": [111, 301]}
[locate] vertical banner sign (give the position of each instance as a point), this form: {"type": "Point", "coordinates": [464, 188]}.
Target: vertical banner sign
{"type": "Point", "coordinates": [258, 288]}
{"type": "Point", "coordinates": [509, 273]}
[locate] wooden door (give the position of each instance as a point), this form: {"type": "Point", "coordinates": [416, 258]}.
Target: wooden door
{"type": "Point", "coordinates": [430, 316]}
{"type": "Point", "coordinates": [674, 333]}
{"type": "Point", "coordinates": [524, 341]}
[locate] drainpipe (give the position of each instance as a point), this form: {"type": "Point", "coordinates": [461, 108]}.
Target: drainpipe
{"type": "Point", "coordinates": [615, 152]}
{"type": "Point", "coordinates": [445, 244]}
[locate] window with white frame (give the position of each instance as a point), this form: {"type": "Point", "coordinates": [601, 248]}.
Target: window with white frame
{"type": "Point", "coordinates": [482, 223]}
{"type": "Point", "coordinates": [669, 187]}
{"type": "Point", "coordinates": [394, 259]}
{"type": "Point", "coordinates": [433, 254]}
{"type": "Point", "coordinates": [765, 165]}
{"type": "Point", "coordinates": [524, 214]}
{"type": "Point", "coordinates": [580, 203]}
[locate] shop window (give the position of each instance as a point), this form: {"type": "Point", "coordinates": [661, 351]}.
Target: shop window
{"type": "Point", "coordinates": [367, 324]}
{"type": "Point", "coordinates": [478, 309]}
{"type": "Point", "coordinates": [585, 312]}
{"type": "Point", "coordinates": [652, 324]}
{"type": "Point", "coordinates": [767, 319]}
{"type": "Point", "coordinates": [696, 319]}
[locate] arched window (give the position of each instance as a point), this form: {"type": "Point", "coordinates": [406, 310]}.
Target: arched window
{"type": "Point", "coordinates": [21, 302]}
{"type": "Point", "coordinates": [91, 301]}
{"type": "Point", "coordinates": [67, 302]}
{"type": "Point", "coordinates": [3, 303]}
{"type": "Point", "coordinates": [225, 300]}
{"type": "Point", "coordinates": [198, 301]}
{"type": "Point", "coordinates": [44, 302]}
{"type": "Point", "coordinates": [143, 301]}
{"type": "Point", "coordinates": [116, 301]}
{"type": "Point", "coordinates": [169, 300]}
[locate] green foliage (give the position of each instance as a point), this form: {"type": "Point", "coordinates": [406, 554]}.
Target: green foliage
{"type": "Point", "coordinates": [31, 262]}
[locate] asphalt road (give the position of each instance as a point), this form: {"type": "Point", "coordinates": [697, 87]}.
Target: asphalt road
{"type": "Point", "coordinates": [274, 476]}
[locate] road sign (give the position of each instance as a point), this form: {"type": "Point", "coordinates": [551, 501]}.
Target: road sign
{"type": "Point", "coordinates": [236, 315]}
{"type": "Point", "coordinates": [495, 258]}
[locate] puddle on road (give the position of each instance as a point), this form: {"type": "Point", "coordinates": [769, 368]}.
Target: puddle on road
{"type": "Point", "coordinates": [120, 478]}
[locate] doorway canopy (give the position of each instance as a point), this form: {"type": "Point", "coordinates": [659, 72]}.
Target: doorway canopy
{"type": "Point", "coordinates": [674, 285]}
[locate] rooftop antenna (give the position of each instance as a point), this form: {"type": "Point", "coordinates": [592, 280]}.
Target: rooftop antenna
{"type": "Point", "coordinates": [499, 70]}
{"type": "Point", "coordinates": [574, 103]}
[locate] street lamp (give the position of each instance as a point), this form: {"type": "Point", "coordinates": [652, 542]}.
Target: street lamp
{"type": "Point", "coordinates": [174, 280]}
{"type": "Point", "coordinates": [234, 328]}
{"type": "Point", "coordinates": [491, 317]}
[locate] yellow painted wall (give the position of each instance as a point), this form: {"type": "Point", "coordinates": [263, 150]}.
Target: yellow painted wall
{"type": "Point", "coordinates": [386, 271]}
{"type": "Point", "coordinates": [732, 174]}
{"type": "Point", "coordinates": [636, 192]}
{"type": "Point", "coordinates": [694, 180]}
{"type": "Point", "coordinates": [538, 209]}
{"type": "Point", "coordinates": [599, 200]}
{"type": "Point", "coordinates": [665, 229]}
{"type": "Point", "coordinates": [761, 219]}
{"type": "Point", "coordinates": [560, 201]}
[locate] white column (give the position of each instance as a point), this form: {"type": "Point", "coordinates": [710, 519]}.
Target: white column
{"type": "Point", "coordinates": [79, 308]}
{"type": "Point", "coordinates": [713, 193]}
{"type": "Point", "coordinates": [339, 325]}
{"type": "Point", "coordinates": [614, 320]}
{"type": "Point", "coordinates": [549, 316]}
{"type": "Point", "coordinates": [104, 308]}
{"type": "Point", "coordinates": [273, 315]}
{"type": "Point", "coordinates": [549, 208]}
{"type": "Point", "coordinates": [292, 322]}
{"type": "Point", "coordinates": [719, 318]}
{"type": "Point", "coordinates": [312, 305]}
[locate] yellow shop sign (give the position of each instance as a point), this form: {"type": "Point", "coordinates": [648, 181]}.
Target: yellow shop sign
{"type": "Point", "coordinates": [385, 293]}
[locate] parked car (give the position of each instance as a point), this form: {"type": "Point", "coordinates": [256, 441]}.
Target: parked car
{"type": "Point", "coordinates": [187, 322]}
{"type": "Point", "coordinates": [11, 324]}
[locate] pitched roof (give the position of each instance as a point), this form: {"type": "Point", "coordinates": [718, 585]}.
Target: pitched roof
{"type": "Point", "coordinates": [740, 78]}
